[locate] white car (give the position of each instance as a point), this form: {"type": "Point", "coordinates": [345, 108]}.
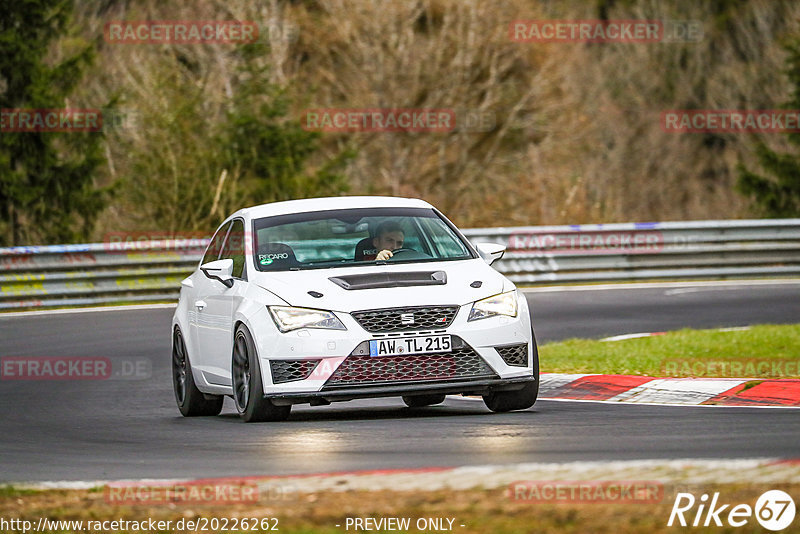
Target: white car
{"type": "Point", "coordinates": [332, 299]}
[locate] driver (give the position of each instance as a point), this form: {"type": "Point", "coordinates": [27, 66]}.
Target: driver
{"type": "Point", "coordinates": [388, 237]}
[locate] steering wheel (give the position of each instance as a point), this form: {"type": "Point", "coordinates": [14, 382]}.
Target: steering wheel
{"type": "Point", "coordinates": [401, 250]}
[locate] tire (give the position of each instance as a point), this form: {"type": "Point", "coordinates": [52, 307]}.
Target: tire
{"type": "Point", "coordinates": [520, 399]}
{"type": "Point", "coordinates": [420, 401]}
{"type": "Point", "coordinates": [191, 401]}
{"type": "Point", "coordinates": [248, 391]}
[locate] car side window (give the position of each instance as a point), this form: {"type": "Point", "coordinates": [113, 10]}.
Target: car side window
{"type": "Point", "coordinates": [234, 248]}
{"type": "Point", "coordinates": [443, 239]}
{"type": "Point", "coordinates": [214, 247]}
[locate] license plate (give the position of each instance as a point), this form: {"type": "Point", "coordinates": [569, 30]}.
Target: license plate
{"type": "Point", "coordinates": [409, 345]}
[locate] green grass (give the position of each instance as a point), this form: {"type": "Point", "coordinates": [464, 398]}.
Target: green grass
{"type": "Point", "coordinates": [8, 490]}
{"type": "Point", "coordinates": [769, 351]}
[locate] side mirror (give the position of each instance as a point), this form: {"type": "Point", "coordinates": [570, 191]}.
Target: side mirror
{"type": "Point", "coordinates": [490, 252]}
{"type": "Point", "coordinates": [221, 270]}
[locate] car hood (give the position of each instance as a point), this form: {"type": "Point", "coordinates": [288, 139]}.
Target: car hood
{"type": "Point", "coordinates": [385, 286]}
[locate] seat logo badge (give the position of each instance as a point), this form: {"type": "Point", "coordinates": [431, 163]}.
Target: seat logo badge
{"type": "Point", "coordinates": [407, 318]}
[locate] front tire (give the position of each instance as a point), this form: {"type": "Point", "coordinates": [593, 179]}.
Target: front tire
{"type": "Point", "coordinates": [420, 401]}
{"type": "Point", "coordinates": [520, 399]}
{"type": "Point", "coordinates": [191, 401]}
{"type": "Point", "coordinates": [248, 391]}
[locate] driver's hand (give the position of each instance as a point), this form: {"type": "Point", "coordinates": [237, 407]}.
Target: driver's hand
{"type": "Point", "coordinates": [384, 255]}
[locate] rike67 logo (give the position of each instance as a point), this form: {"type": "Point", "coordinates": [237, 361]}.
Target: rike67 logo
{"type": "Point", "coordinates": [774, 510]}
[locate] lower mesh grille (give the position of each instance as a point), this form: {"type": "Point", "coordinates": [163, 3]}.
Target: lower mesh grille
{"type": "Point", "coordinates": [516, 355]}
{"type": "Point", "coordinates": [461, 363]}
{"type": "Point", "coordinates": [291, 370]}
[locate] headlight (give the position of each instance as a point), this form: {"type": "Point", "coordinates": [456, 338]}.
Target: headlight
{"type": "Point", "coordinates": [502, 304]}
{"type": "Point", "coordinates": [287, 318]}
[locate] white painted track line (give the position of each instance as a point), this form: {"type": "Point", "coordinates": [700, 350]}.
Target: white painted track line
{"type": "Point", "coordinates": [63, 311]}
{"type": "Point", "coordinates": [710, 284]}
{"type": "Point", "coordinates": [672, 391]}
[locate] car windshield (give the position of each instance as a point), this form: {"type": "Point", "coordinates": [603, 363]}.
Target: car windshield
{"type": "Point", "coordinates": [354, 237]}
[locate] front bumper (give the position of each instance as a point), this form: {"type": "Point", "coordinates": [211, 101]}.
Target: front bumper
{"type": "Point", "coordinates": [331, 348]}
{"type": "Point", "coordinates": [452, 387]}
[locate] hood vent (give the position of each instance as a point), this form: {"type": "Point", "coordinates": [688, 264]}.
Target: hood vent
{"type": "Point", "coordinates": [390, 279]}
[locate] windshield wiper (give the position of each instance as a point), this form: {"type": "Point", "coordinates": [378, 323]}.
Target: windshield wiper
{"type": "Point", "coordinates": [326, 262]}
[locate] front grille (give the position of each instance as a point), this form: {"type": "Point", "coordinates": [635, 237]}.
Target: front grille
{"type": "Point", "coordinates": [463, 362]}
{"type": "Point", "coordinates": [291, 370]}
{"type": "Point", "coordinates": [516, 355]}
{"type": "Point", "coordinates": [392, 319]}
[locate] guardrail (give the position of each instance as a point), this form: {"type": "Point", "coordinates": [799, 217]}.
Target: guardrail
{"type": "Point", "coordinates": [69, 275]}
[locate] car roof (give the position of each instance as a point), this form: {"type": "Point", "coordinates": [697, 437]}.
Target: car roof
{"type": "Point", "coordinates": [328, 203]}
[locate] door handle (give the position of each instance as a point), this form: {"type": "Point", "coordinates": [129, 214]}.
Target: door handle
{"type": "Point", "coordinates": [200, 304]}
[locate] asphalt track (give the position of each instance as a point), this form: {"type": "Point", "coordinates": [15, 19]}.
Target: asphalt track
{"type": "Point", "coordinates": [131, 429]}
